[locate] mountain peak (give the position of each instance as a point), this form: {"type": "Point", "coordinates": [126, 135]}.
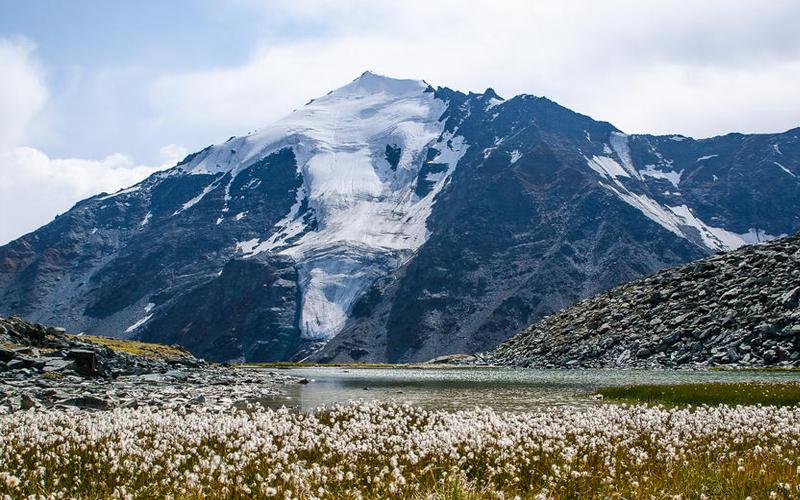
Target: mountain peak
{"type": "Point", "coordinates": [489, 93]}
{"type": "Point", "coordinates": [371, 83]}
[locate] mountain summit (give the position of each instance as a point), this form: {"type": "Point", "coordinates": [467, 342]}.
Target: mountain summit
{"type": "Point", "coordinates": [391, 221]}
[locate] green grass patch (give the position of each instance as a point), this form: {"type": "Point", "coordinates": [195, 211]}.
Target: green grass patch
{"type": "Point", "coordinates": [145, 349]}
{"type": "Point", "coordinates": [756, 369]}
{"type": "Point", "coordinates": [778, 394]}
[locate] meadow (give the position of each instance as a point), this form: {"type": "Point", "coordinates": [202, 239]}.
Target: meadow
{"type": "Point", "coordinates": [742, 393]}
{"type": "Point", "coordinates": [382, 450]}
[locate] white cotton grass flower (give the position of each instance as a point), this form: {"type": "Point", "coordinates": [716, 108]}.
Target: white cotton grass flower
{"type": "Point", "coordinates": [374, 450]}
{"type": "Point", "coordinates": [11, 481]}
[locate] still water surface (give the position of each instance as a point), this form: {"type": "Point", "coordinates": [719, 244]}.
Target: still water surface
{"type": "Point", "coordinates": [500, 388]}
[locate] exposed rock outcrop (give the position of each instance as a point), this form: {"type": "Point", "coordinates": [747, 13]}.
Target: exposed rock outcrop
{"type": "Point", "coordinates": [740, 308]}
{"type": "Point", "coordinates": [39, 349]}
{"type": "Point", "coordinates": [44, 368]}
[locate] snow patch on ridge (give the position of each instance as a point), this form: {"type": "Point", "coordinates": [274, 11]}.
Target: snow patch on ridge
{"type": "Point", "coordinates": [247, 247]}
{"type": "Point", "coordinates": [494, 102]}
{"type": "Point", "coordinates": [649, 208]}
{"type": "Point", "coordinates": [194, 201]}
{"type": "Point", "coordinates": [713, 237]}
{"type": "Point", "coordinates": [784, 169]}
{"type": "Point", "coordinates": [681, 221]}
{"type": "Point", "coordinates": [131, 189]}
{"type": "Point", "coordinates": [673, 177]}
{"type": "Point", "coordinates": [139, 323]}
{"type": "Point", "coordinates": [607, 167]}
{"type": "Point", "coordinates": [619, 143]}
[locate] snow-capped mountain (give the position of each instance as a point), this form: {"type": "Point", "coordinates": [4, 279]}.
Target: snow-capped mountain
{"type": "Point", "coordinates": [364, 197]}
{"type": "Point", "coordinates": [392, 221]}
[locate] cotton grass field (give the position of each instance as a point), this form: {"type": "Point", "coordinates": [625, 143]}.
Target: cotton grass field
{"type": "Point", "coordinates": [379, 450]}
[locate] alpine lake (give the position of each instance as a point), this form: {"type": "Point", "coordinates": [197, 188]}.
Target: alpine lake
{"type": "Point", "coordinates": [502, 389]}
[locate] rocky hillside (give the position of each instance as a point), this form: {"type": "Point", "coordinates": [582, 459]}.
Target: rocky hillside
{"type": "Point", "coordinates": [740, 308]}
{"type": "Point", "coordinates": [43, 367]}
{"type": "Point", "coordinates": [27, 348]}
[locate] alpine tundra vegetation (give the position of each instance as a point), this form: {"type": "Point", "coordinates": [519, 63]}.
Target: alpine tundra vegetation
{"type": "Point", "coordinates": [372, 450]}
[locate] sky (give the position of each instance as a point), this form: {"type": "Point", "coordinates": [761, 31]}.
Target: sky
{"type": "Point", "coordinates": [96, 95]}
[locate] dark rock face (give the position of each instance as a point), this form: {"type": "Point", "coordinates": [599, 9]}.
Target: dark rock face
{"type": "Point", "coordinates": [247, 312]}
{"type": "Point", "coordinates": [739, 308]}
{"type": "Point", "coordinates": [115, 259]}
{"type": "Point", "coordinates": [541, 207]}
{"type": "Point", "coordinates": [740, 163]}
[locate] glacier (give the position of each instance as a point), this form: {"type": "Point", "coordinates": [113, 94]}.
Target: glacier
{"type": "Point", "coordinates": [368, 215]}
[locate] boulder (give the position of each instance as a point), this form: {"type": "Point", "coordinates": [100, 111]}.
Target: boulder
{"type": "Point", "coordinates": [770, 356]}
{"type": "Point", "coordinates": [87, 402]}
{"type": "Point", "coordinates": [790, 298]}
{"type": "Point", "coordinates": [58, 365]}
{"type": "Point", "coordinates": [22, 362]}
{"type": "Point", "coordinates": [6, 355]}
{"type": "Point", "coordinates": [28, 351]}
{"type": "Point", "coordinates": [85, 361]}
{"type": "Point", "coordinates": [27, 402]}
{"type": "Point", "coordinates": [177, 375]}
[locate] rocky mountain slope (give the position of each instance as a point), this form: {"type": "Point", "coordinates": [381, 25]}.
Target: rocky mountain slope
{"type": "Point", "coordinates": [393, 221]}
{"type": "Point", "coordinates": [738, 308]}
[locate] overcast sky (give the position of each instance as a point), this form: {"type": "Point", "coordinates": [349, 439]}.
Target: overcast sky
{"type": "Point", "coordinates": [96, 95]}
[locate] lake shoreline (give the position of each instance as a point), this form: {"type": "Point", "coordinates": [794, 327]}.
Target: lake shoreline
{"type": "Point", "coordinates": [503, 389]}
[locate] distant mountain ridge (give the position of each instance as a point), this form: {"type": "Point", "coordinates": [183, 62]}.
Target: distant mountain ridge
{"type": "Point", "coordinates": [739, 308]}
{"type": "Point", "coordinates": [391, 221]}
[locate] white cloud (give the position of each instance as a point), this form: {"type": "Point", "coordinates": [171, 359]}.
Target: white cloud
{"type": "Point", "coordinates": [22, 91]}
{"type": "Point", "coordinates": [698, 68]}
{"type": "Point", "coordinates": [35, 187]}
{"type": "Point", "coordinates": [171, 154]}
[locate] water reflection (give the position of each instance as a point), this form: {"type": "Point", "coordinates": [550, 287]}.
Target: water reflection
{"type": "Point", "coordinates": [500, 388]}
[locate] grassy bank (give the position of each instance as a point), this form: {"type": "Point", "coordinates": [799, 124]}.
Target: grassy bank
{"type": "Point", "coordinates": [782, 394]}
{"type": "Point", "coordinates": [369, 450]}
{"type": "Point", "coordinates": [148, 350]}
{"type": "Point", "coordinates": [757, 369]}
